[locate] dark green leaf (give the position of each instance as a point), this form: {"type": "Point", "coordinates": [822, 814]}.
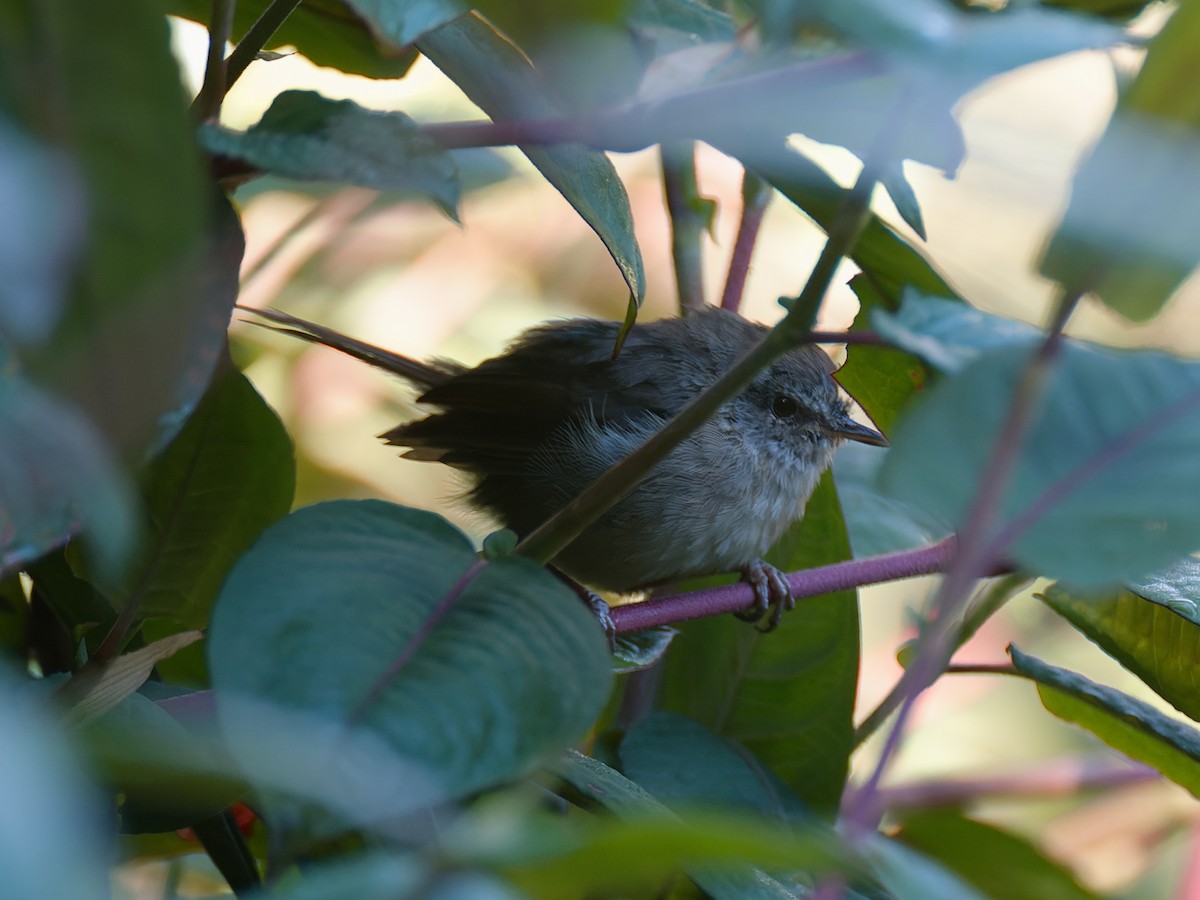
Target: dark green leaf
{"type": "Point", "coordinates": [651, 843]}
{"type": "Point", "coordinates": [56, 478]}
{"type": "Point", "coordinates": [325, 31]}
{"type": "Point", "coordinates": [304, 135]}
{"type": "Point", "coordinates": [495, 76]}
{"type": "Point", "coordinates": [1001, 865]}
{"type": "Point", "coordinates": [139, 334]}
{"type": "Point", "coordinates": [311, 619]}
{"type": "Point", "coordinates": [52, 847]}
{"type": "Point", "coordinates": [167, 776]}
{"type": "Point", "coordinates": [947, 334]}
{"type": "Point", "coordinates": [39, 235]}
{"type": "Point", "coordinates": [684, 764]}
{"type": "Point", "coordinates": [642, 649]}
{"type": "Point", "coordinates": [227, 475]}
{"type": "Point", "coordinates": [1124, 723]}
{"type": "Point", "coordinates": [788, 697]}
{"type": "Point", "coordinates": [1104, 487]}
{"type": "Point", "coordinates": [1157, 645]}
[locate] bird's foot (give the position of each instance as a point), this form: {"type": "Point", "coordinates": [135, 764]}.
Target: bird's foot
{"type": "Point", "coordinates": [597, 604]}
{"type": "Point", "coordinates": [772, 594]}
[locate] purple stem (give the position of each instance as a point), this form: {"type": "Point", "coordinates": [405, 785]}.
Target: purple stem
{"type": "Point", "coordinates": [808, 583]}
{"type": "Point", "coordinates": [755, 196]}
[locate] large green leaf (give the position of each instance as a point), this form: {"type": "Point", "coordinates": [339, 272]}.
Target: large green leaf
{"type": "Point", "coordinates": [788, 696]}
{"type": "Point", "coordinates": [1103, 489]}
{"type": "Point", "coordinates": [325, 31]}
{"type": "Point", "coordinates": [313, 616]}
{"type": "Point", "coordinates": [52, 845]}
{"type": "Point", "coordinates": [1124, 723]}
{"type": "Point", "coordinates": [684, 764]}
{"type": "Point", "coordinates": [498, 78]}
{"type": "Point", "coordinates": [143, 326]}
{"type": "Point", "coordinates": [57, 478]}
{"type": "Point", "coordinates": [39, 234]}
{"type": "Point", "coordinates": [1001, 865]}
{"type": "Point", "coordinates": [651, 843]}
{"type": "Point", "coordinates": [1129, 231]}
{"type": "Point", "coordinates": [1159, 646]}
{"type": "Point", "coordinates": [909, 875]}
{"type": "Point", "coordinates": [224, 478]}
{"type": "Point", "coordinates": [945, 333]}
{"type": "Point", "coordinates": [304, 135]}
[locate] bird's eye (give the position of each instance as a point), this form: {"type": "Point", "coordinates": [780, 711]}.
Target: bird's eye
{"type": "Point", "coordinates": [783, 406]}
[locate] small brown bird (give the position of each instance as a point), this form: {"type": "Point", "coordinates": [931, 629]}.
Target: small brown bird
{"type": "Point", "coordinates": [536, 425]}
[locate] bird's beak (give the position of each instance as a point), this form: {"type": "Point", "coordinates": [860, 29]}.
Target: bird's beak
{"type": "Point", "coordinates": [864, 434]}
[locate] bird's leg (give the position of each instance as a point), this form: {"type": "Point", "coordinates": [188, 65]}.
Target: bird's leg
{"type": "Point", "coordinates": [771, 593]}
{"type": "Point", "coordinates": [600, 609]}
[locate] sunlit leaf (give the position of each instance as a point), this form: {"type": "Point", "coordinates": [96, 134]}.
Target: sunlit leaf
{"type": "Point", "coordinates": [1124, 723]}
{"type": "Point", "coordinates": [1159, 646]}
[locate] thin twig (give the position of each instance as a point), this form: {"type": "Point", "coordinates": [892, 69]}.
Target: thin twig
{"type": "Point", "coordinates": [756, 194]}
{"type": "Point", "coordinates": [207, 104]}
{"type": "Point", "coordinates": [688, 227]}
{"type": "Point", "coordinates": [256, 38]}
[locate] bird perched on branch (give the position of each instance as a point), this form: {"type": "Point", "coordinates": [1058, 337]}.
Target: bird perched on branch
{"type": "Point", "coordinates": [537, 424]}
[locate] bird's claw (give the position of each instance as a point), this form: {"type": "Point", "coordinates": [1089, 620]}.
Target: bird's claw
{"type": "Point", "coordinates": [772, 594]}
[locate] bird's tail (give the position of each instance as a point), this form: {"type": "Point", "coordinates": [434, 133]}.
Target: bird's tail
{"type": "Point", "coordinates": [423, 375]}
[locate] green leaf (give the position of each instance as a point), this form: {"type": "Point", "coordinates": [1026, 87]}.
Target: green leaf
{"type": "Point", "coordinates": [404, 21]}
{"type": "Point", "coordinates": [876, 522]}
{"type": "Point", "coordinates": [1124, 723]}
{"type": "Point", "coordinates": [642, 649]}
{"type": "Point", "coordinates": [226, 476]}
{"type": "Point", "coordinates": [325, 31]}
{"type": "Point", "coordinates": [684, 764]}
{"type": "Point", "coordinates": [1177, 588]}
{"type": "Point", "coordinates": [1154, 643]}
{"type": "Point", "coordinates": [52, 845]}
{"type": "Point", "coordinates": [947, 334]}
{"type": "Point", "coordinates": [1104, 486]}
{"type": "Point", "coordinates": [151, 296]}
{"type": "Point", "coordinates": [788, 696]}
{"type": "Point", "coordinates": [1128, 233]}
{"type": "Point", "coordinates": [1001, 865]}
{"type": "Point", "coordinates": [56, 479]}
{"type": "Point", "coordinates": [651, 844]}
{"type": "Point", "coordinates": [886, 259]}
{"type": "Point", "coordinates": [908, 875]}
{"type": "Point", "coordinates": [497, 78]}
{"type": "Point", "coordinates": [313, 617]}
{"type": "Point", "coordinates": [904, 197]}
{"type": "Point", "coordinates": [39, 234]}
{"type": "Point", "coordinates": [166, 775]}
{"type": "Point", "coordinates": [304, 135]}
